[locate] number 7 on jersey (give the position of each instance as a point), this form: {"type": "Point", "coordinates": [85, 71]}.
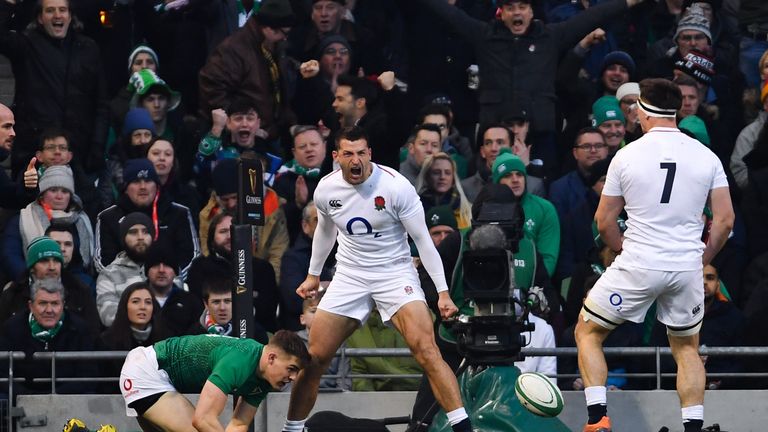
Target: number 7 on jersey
{"type": "Point", "coordinates": [671, 167]}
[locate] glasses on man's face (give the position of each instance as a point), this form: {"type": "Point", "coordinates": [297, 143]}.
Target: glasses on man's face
{"type": "Point", "coordinates": [692, 37]}
{"type": "Point", "coordinates": [54, 147]}
{"type": "Point", "coordinates": [440, 126]}
{"type": "Point", "coordinates": [591, 147]}
{"type": "Point", "coordinates": [334, 51]}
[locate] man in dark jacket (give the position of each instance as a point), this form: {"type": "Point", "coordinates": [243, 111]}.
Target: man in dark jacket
{"type": "Point", "coordinates": [59, 81]}
{"type": "Point", "coordinates": [48, 328]}
{"type": "Point", "coordinates": [517, 57]}
{"type": "Point", "coordinates": [173, 222]}
{"type": "Point", "coordinates": [45, 261]}
{"type": "Point", "coordinates": [179, 309]}
{"type": "Point", "coordinates": [14, 194]}
{"type": "Point", "coordinates": [247, 64]}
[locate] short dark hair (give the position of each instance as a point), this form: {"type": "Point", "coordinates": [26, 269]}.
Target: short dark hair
{"type": "Point", "coordinates": [435, 109]}
{"type": "Point", "coordinates": [588, 130]}
{"type": "Point", "coordinates": [430, 127]}
{"type": "Point", "coordinates": [291, 344]}
{"type": "Point", "coordinates": [51, 133]}
{"type": "Point", "coordinates": [216, 285]}
{"type": "Point", "coordinates": [685, 80]}
{"type": "Point", "coordinates": [351, 133]}
{"type": "Point", "coordinates": [661, 93]}
{"type": "Point", "coordinates": [361, 88]}
{"type": "Point", "coordinates": [241, 105]}
{"type": "Point", "coordinates": [495, 126]}
{"type": "Point", "coordinates": [58, 226]}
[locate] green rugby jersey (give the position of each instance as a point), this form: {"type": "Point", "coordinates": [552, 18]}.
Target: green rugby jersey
{"type": "Point", "coordinates": [231, 364]}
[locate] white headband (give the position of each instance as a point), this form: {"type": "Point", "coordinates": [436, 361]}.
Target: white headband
{"type": "Point", "coordinates": [654, 111]}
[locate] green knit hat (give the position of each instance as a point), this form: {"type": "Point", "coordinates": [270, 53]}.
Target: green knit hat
{"type": "Point", "coordinates": [505, 163]}
{"type": "Point", "coordinates": [696, 126]}
{"type": "Point", "coordinates": [144, 80]}
{"type": "Point", "coordinates": [41, 248]}
{"type": "Point", "coordinates": [441, 215]}
{"type": "Point", "coordinates": [605, 109]}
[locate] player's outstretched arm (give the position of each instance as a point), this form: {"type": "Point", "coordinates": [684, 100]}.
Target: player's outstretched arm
{"type": "Point", "coordinates": [242, 417]}
{"type": "Point", "coordinates": [722, 222]}
{"type": "Point", "coordinates": [607, 211]}
{"type": "Point", "coordinates": [210, 405]}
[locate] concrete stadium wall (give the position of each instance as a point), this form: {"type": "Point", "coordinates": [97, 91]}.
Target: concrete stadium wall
{"type": "Point", "coordinates": [631, 411]}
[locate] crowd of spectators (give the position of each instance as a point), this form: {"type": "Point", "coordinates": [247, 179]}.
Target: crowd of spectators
{"type": "Point", "coordinates": [121, 185]}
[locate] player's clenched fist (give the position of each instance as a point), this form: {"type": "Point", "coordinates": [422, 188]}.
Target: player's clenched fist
{"type": "Point", "coordinates": [446, 305]}
{"type": "Point", "coordinates": [309, 288]}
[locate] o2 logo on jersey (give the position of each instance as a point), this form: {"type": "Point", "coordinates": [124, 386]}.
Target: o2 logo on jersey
{"type": "Point", "coordinates": [354, 225]}
{"type": "Point", "coordinates": [616, 301]}
{"type": "Point", "coordinates": [128, 384]}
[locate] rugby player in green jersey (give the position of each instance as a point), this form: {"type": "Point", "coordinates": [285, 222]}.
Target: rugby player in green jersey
{"type": "Point", "coordinates": [153, 379]}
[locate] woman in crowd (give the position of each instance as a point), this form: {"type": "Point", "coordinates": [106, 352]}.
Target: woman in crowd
{"type": "Point", "coordinates": [57, 202]}
{"type": "Point", "coordinates": [439, 184]}
{"type": "Point", "coordinates": [162, 154]}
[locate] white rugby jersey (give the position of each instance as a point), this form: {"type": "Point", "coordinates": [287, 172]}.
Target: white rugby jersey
{"type": "Point", "coordinates": [368, 216]}
{"type": "Point", "coordinates": [665, 178]}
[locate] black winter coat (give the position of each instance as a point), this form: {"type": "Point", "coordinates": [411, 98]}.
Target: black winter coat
{"type": "Point", "coordinates": [73, 336]}
{"type": "Point", "coordinates": [59, 82]}
{"type": "Point", "coordinates": [519, 71]}
{"type": "Point", "coordinates": [176, 229]}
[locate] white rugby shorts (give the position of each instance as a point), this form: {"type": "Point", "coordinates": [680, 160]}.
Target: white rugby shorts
{"type": "Point", "coordinates": [624, 293]}
{"type": "Point", "coordinates": [141, 376]}
{"type": "Point", "coordinates": [353, 292]}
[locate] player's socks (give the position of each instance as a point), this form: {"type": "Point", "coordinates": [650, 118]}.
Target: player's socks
{"type": "Point", "coordinates": [294, 425]}
{"type": "Point", "coordinates": [459, 420]}
{"type": "Point", "coordinates": [693, 418]}
{"type": "Point", "coordinates": [597, 406]}
{"type": "Point", "coordinates": [693, 425]}
{"type": "Point", "coordinates": [462, 426]}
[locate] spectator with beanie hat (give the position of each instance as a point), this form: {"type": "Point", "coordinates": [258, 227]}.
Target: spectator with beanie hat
{"type": "Point", "coordinates": [247, 64]}
{"type": "Point", "coordinates": [142, 57]}
{"type": "Point", "coordinates": [608, 117]}
{"type": "Point", "coordinates": [172, 222]}
{"type": "Point", "coordinates": [617, 69]}
{"type": "Point", "coordinates": [440, 222]}
{"type": "Point", "coordinates": [137, 233]}
{"type": "Point", "coordinates": [57, 202]}
{"type": "Point", "coordinates": [46, 261]}
{"type": "Point", "coordinates": [138, 130]}
{"type": "Point", "coordinates": [270, 240]}
{"type": "Point", "coordinates": [541, 223]}
{"type": "Point", "coordinates": [179, 309]}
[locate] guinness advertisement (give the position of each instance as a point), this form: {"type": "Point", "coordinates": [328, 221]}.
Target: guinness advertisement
{"type": "Point", "coordinates": [250, 192]}
{"type": "Point", "coordinates": [242, 298]}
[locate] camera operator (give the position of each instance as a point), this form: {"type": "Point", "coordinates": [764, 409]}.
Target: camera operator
{"type": "Point", "coordinates": [529, 272]}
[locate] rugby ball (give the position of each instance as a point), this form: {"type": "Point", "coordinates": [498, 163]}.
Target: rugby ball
{"type": "Point", "coordinates": [538, 395]}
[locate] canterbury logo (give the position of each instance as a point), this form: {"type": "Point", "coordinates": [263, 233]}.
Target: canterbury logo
{"type": "Point", "coordinates": [335, 203]}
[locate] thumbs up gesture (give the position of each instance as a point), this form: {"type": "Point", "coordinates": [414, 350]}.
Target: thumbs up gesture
{"type": "Point", "coordinates": [30, 174]}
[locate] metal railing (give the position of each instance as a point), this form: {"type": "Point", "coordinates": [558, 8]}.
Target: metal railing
{"type": "Point", "coordinates": [656, 352]}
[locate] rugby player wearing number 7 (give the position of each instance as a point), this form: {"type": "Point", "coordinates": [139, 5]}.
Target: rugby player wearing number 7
{"type": "Point", "coordinates": [370, 209]}
{"type": "Point", "coordinates": [663, 181]}
{"type": "Point", "coordinates": [153, 379]}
